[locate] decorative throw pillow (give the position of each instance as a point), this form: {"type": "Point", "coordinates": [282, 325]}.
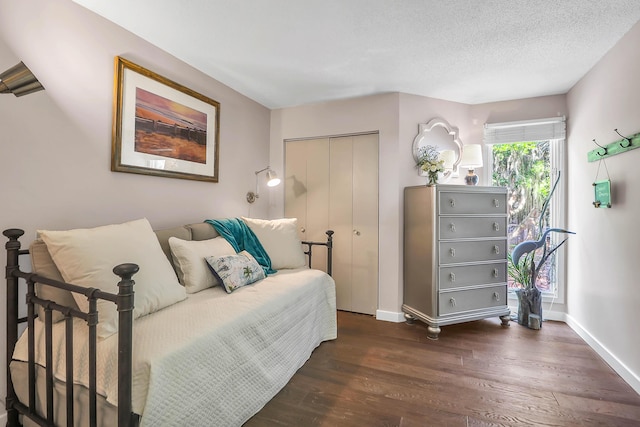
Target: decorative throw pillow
{"type": "Point", "coordinates": [189, 260]}
{"type": "Point", "coordinates": [235, 271]}
{"type": "Point", "coordinates": [86, 257]}
{"type": "Point", "coordinates": [279, 237]}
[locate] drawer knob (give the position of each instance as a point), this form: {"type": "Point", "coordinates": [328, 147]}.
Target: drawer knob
{"type": "Point", "coordinates": [495, 272]}
{"type": "Point", "coordinates": [452, 277]}
{"type": "Point", "coordinates": [452, 202]}
{"type": "Point", "coordinates": [496, 249]}
{"type": "Point", "coordinates": [302, 229]}
{"type": "Point", "coordinates": [452, 301]}
{"type": "Point", "coordinates": [496, 296]}
{"type": "Point", "coordinates": [356, 232]}
{"type": "Point", "coordinates": [452, 227]}
{"type": "Point", "coordinates": [453, 252]}
{"type": "Point", "coordinates": [496, 203]}
{"type": "Point", "coordinates": [496, 226]}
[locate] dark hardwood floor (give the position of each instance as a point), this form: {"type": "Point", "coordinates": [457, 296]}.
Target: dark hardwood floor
{"type": "Point", "coordinates": [477, 374]}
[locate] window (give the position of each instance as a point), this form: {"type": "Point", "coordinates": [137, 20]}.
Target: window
{"type": "Point", "coordinates": [526, 157]}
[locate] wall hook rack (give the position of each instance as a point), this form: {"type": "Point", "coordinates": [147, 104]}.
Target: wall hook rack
{"type": "Point", "coordinates": [598, 152]}
{"type": "Point", "coordinates": [620, 146]}
{"type": "Point", "coordinates": [628, 144]}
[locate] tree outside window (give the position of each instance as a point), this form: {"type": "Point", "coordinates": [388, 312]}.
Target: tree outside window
{"type": "Point", "coordinates": [525, 169]}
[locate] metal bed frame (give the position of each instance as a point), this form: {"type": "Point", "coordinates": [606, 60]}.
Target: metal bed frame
{"type": "Point", "coordinates": [124, 300]}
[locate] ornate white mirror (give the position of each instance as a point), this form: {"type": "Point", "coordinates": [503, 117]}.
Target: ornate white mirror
{"type": "Point", "coordinates": [440, 134]}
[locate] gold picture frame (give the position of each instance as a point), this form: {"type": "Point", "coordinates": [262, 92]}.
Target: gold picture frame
{"type": "Point", "coordinates": [161, 127]}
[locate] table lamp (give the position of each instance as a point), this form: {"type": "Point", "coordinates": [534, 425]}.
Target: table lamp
{"type": "Point", "coordinates": [471, 159]}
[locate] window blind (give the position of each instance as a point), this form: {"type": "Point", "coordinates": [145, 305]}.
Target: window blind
{"type": "Point", "coordinates": [524, 131]}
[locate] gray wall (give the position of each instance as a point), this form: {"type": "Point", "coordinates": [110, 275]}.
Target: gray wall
{"type": "Point", "coordinates": [603, 271]}
{"type": "Point", "coordinates": [55, 145]}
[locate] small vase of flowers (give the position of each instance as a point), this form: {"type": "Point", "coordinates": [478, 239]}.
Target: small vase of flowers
{"type": "Point", "coordinates": [429, 163]}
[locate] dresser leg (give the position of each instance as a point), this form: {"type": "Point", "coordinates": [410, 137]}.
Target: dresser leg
{"type": "Point", "coordinates": [409, 319]}
{"type": "Point", "coordinates": [432, 332]}
{"type": "Point", "coordinates": [505, 320]}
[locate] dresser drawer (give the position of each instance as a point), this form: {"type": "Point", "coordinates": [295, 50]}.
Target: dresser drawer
{"type": "Point", "coordinates": [471, 227]}
{"type": "Point", "coordinates": [483, 250]}
{"type": "Point", "coordinates": [472, 203]}
{"type": "Point", "coordinates": [471, 299]}
{"type": "Point", "coordinates": [477, 274]}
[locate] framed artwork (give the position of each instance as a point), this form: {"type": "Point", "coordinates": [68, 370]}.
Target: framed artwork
{"type": "Point", "coordinates": [161, 127]}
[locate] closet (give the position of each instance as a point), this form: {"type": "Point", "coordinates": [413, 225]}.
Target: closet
{"type": "Point", "coordinates": [332, 183]}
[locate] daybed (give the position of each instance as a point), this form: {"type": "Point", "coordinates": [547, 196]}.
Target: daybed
{"type": "Point", "coordinates": [194, 355]}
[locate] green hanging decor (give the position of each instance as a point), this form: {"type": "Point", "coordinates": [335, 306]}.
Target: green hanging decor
{"type": "Point", "coordinates": [602, 189]}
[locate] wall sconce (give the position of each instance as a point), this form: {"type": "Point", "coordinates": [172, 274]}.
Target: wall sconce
{"type": "Point", "coordinates": [272, 181]}
{"type": "Point", "coordinates": [471, 159]}
{"type": "Point", "coordinates": [19, 81]}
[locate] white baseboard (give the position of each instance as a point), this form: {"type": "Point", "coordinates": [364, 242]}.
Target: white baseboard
{"type": "Point", "coordinates": [559, 316]}
{"type": "Point", "coordinates": [629, 376]}
{"type": "Point", "coordinates": [390, 316]}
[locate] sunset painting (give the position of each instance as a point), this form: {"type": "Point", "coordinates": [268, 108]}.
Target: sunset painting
{"type": "Point", "coordinates": [169, 129]}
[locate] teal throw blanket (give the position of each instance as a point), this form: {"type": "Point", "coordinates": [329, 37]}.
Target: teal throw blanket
{"type": "Point", "coordinates": [240, 236]}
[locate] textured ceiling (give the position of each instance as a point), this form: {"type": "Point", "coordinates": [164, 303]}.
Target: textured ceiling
{"type": "Point", "coordinates": [283, 53]}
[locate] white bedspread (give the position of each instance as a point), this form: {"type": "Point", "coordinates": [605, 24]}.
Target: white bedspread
{"type": "Point", "coordinates": [214, 359]}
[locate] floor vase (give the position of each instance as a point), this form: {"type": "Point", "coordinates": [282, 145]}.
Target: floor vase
{"type": "Point", "coordinates": [530, 307]}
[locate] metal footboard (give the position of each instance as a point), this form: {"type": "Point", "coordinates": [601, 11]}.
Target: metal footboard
{"type": "Point", "coordinates": [328, 244]}
{"type": "Point", "coordinates": [124, 301]}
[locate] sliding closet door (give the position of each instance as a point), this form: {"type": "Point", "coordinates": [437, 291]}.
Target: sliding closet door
{"type": "Point", "coordinates": [332, 183]}
{"type": "Point", "coordinates": [307, 167]}
{"type": "Point", "coordinates": [295, 184]}
{"type": "Point", "coordinates": [317, 222]}
{"type": "Point", "coordinates": [364, 259]}
{"type": "Point", "coordinates": [353, 213]}
{"type": "Point", "coordinates": [340, 218]}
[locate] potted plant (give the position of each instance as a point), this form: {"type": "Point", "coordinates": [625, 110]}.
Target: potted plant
{"type": "Point", "coordinates": [525, 263]}
{"type": "Point", "coordinates": [429, 163]}
{"type": "Point", "coordinates": [529, 296]}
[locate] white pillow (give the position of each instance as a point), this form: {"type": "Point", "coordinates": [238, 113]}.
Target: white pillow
{"type": "Point", "coordinates": [189, 260]}
{"type": "Point", "coordinates": [279, 237]}
{"type": "Point", "coordinates": [86, 257]}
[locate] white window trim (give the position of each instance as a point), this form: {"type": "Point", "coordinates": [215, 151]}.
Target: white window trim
{"type": "Point", "coordinates": [552, 129]}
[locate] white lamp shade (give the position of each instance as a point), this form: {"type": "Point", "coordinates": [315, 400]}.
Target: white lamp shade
{"type": "Point", "coordinates": [272, 181]}
{"type": "Point", "coordinates": [449, 157]}
{"type": "Point", "coordinates": [272, 178]}
{"type": "Point", "coordinates": [471, 156]}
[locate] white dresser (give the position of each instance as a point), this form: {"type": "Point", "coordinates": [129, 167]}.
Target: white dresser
{"type": "Point", "coordinates": [455, 254]}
